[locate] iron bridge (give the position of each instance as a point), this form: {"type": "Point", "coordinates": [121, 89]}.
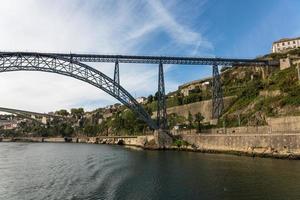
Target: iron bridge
{"type": "Point", "coordinates": [74, 65]}
{"type": "Point", "coordinates": [28, 114]}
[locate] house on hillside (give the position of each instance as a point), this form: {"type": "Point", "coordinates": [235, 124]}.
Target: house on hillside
{"type": "Point", "coordinates": [8, 124]}
{"type": "Point", "coordinates": [285, 44]}
{"type": "Point", "coordinates": [194, 86]}
{"type": "Point", "coordinates": [141, 100]}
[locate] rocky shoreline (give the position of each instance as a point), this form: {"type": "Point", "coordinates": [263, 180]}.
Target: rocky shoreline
{"type": "Point", "coordinates": [267, 153]}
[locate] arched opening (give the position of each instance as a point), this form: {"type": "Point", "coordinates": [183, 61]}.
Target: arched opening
{"type": "Point", "coordinates": [121, 142]}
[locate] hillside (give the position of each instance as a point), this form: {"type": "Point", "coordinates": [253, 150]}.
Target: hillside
{"type": "Point", "coordinates": [273, 93]}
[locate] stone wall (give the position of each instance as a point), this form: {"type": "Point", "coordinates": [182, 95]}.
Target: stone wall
{"type": "Point", "coordinates": [283, 124]}
{"type": "Point", "coordinates": [266, 144]}
{"type": "Point", "coordinates": [140, 141]}
{"type": "Point", "coordinates": [281, 137]}
{"type": "Point", "coordinates": [204, 107]}
{"type": "Point", "coordinates": [234, 130]}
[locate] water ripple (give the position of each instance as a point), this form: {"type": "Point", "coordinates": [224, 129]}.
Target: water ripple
{"type": "Point", "coordinates": [82, 171]}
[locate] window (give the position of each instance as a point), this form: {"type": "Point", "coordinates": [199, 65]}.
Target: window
{"type": "Point", "coordinates": [288, 43]}
{"type": "Point", "coordinates": [294, 42]}
{"type": "Point", "coordinates": [283, 44]}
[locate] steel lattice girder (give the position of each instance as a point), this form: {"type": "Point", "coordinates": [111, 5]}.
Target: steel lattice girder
{"type": "Point", "coordinates": [69, 67]}
{"type": "Point", "coordinates": [16, 111]}
{"type": "Point", "coordinates": [161, 101]}
{"type": "Point", "coordinates": [163, 60]}
{"type": "Point", "coordinates": [28, 114]}
{"type": "Point", "coordinates": [158, 59]}
{"type": "Point", "coordinates": [217, 97]}
{"type": "Point", "coordinates": [117, 75]}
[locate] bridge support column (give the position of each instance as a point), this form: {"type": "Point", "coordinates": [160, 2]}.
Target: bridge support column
{"type": "Point", "coordinates": [116, 77]}
{"type": "Point", "coordinates": [217, 94]}
{"type": "Point", "coordinates": [162, 139]}
{"type": "Point", "coordinates": [161, 100]}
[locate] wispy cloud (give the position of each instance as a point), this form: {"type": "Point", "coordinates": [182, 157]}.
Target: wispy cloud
{"type": "Point", "coordinates": [113, 27]}
{"type": "Point", "coordinates": [161, 19]}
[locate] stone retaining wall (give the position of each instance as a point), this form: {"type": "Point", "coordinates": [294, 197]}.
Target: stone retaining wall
{"type": "Point", "coordinates": [265, 144]}
{"type": "Point", "coordinates": [204, 107]}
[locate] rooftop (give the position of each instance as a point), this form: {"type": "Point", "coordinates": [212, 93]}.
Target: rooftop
{"type": "Point", "coordinates": [286, 40]}
{"type": "Point", "coordinates": [195, 82]}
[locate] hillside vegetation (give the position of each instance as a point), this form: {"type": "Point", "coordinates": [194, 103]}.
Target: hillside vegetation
{"type": "Point", "coordinates": [276, 94]}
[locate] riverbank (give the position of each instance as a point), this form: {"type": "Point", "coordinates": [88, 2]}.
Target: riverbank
{"type": "Point", "coordinates": [279, 146]}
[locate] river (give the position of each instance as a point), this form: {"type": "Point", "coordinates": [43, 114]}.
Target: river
{"type": "Point", "coordinates": [89, 171]}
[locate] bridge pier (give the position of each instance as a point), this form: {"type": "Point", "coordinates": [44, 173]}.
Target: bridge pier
{"type": "Point", "coordinates": [116, 77]}
{"type": "Point", "coordinates": [162, 139]}
{"type": "Point", "coordinates": [217, 93]}
{"type": "Point", "coordinates": [161, 100]}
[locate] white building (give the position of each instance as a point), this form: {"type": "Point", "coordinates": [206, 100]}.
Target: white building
{"type": "Point", "coordinates": [285, 44]}
{"type": "Point", "coordinates": [141, 100]}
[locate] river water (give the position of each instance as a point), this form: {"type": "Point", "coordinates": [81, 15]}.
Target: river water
{"type": "Point", "coordinates": [86, 171]}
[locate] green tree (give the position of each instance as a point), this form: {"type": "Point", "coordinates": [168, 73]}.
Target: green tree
{"type": "Point", "coordinates": [77, 112]}
{"type": "Point", "coordinates": [150, 98]}
{"type": "Point", "coordinates": [190, 120]}
{"type": "Point", "coordinates": [156, 96]}
{"type": "Point", "coordinates": [103, 127]}
{"type": "Point", "coordinates": [91, 130]}
{"type": "Point", "coordinates": [199, 118]}
{"type": "Point", "coordinates": [68, 130]}
{"type": "Point", "coordinates": [117, 122]}
{"type": "Point", "coordinates": [174, 119]}
{"type": "Point", "coordinates": [191, 98]}
{"type": "Point", "coordinates": [62, 112]}
{"type": "Point", "coordinates": [179, 98]}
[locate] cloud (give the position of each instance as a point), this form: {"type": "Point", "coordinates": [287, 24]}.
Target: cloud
{"type": "Point", "coordinates": [113, 27]}
{"type": "Point", "coordinates": [178, 32]}
{"type": "Point", "coordinates": [161, 19]}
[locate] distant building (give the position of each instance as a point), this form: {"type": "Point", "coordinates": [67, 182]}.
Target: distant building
{"type": "Point", "coordinates": [113, 107]}
{"type": "Point", "coordinates": [189, 87]}
{"type": "Point", "coordinates": [44, 120]}
{"type": "Point", "coordinates": [172, 94]}
{"type": "Point", "coordinates": [285, 44]}
{"type": "Point", "coordinates": [141, 100]}
{"type": "Point", "coordinates": [8, 124]}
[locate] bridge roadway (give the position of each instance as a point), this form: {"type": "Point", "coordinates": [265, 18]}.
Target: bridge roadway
{"type": "Point", "coordinates": [152, 59]}
{"type": "Point", "coordinates": [161, 59]}
{"type": "Point", "coordinates": [22, 112]}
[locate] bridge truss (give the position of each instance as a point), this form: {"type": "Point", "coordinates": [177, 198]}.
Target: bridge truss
{"type": "Point", "coordinates": [28, 114]}
{"type": "Point", "coordinates": [73, 65]}
{"type": "Point", "coordinates": [68, 67]}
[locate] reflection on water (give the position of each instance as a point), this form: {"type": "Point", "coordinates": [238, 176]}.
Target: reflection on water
{"type": "Point", "coordinates": [85, 171]}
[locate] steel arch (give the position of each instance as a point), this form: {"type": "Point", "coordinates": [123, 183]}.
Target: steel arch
{"type": "Point", "coordinates": [72, 68]}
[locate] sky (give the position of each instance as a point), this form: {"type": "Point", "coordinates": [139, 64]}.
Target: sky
{"type": "Point", "coordinates": [211, 28]}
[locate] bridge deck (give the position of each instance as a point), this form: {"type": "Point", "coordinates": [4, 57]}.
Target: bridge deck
{"type": "Point", "coordinates": [151, 59]}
